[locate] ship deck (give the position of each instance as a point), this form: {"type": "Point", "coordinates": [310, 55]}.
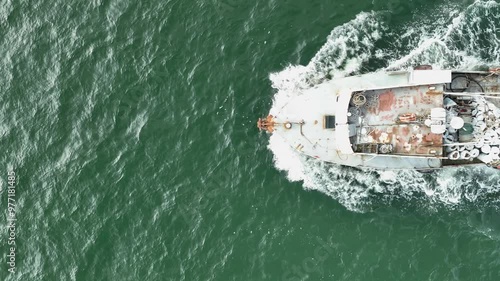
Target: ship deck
{"type": "Point", "coordinates": [396, 116]}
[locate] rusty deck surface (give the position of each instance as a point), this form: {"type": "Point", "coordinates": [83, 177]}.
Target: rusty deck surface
{"type": "Point", "coordinates": [397, 116]}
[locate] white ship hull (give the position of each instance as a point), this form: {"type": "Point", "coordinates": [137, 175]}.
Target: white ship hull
{"type": "Point", "coordinates": [420, 119]}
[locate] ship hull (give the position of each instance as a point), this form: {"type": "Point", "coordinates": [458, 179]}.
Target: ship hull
{"type": "Point", "coordinates": [419, 119]}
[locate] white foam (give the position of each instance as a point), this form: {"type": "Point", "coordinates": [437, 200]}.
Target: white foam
{"type": "Point", "coordinates": [347, 47]}
{"type": "Point", "coordinates": [451, 41]}
{"type": "Point", "coordinates": [456, 41]}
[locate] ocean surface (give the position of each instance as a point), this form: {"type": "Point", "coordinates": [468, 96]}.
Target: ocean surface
{"type": "Point", "coordinates": [130, 127]}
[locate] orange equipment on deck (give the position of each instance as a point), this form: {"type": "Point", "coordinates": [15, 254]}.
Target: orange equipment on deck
{"type": "Point", "coordinates": [266, 124]}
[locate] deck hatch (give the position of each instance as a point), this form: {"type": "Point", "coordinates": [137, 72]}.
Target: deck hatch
{"type": "Point", "coordinates": [329, 122]}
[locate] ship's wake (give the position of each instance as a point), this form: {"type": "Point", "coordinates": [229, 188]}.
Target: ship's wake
{"type": "Point", "coordinates": [466, 38]}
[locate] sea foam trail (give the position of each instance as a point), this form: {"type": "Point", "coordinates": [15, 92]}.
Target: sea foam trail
{"type": "Point", "coordinates": [467, 38]}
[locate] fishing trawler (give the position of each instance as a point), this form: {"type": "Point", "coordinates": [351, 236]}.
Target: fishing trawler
{"type": "Point", "coordinates": [421, 119]}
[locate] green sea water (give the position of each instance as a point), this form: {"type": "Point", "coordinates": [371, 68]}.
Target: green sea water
{"type": "Point", "coordinates": [130, 128]}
